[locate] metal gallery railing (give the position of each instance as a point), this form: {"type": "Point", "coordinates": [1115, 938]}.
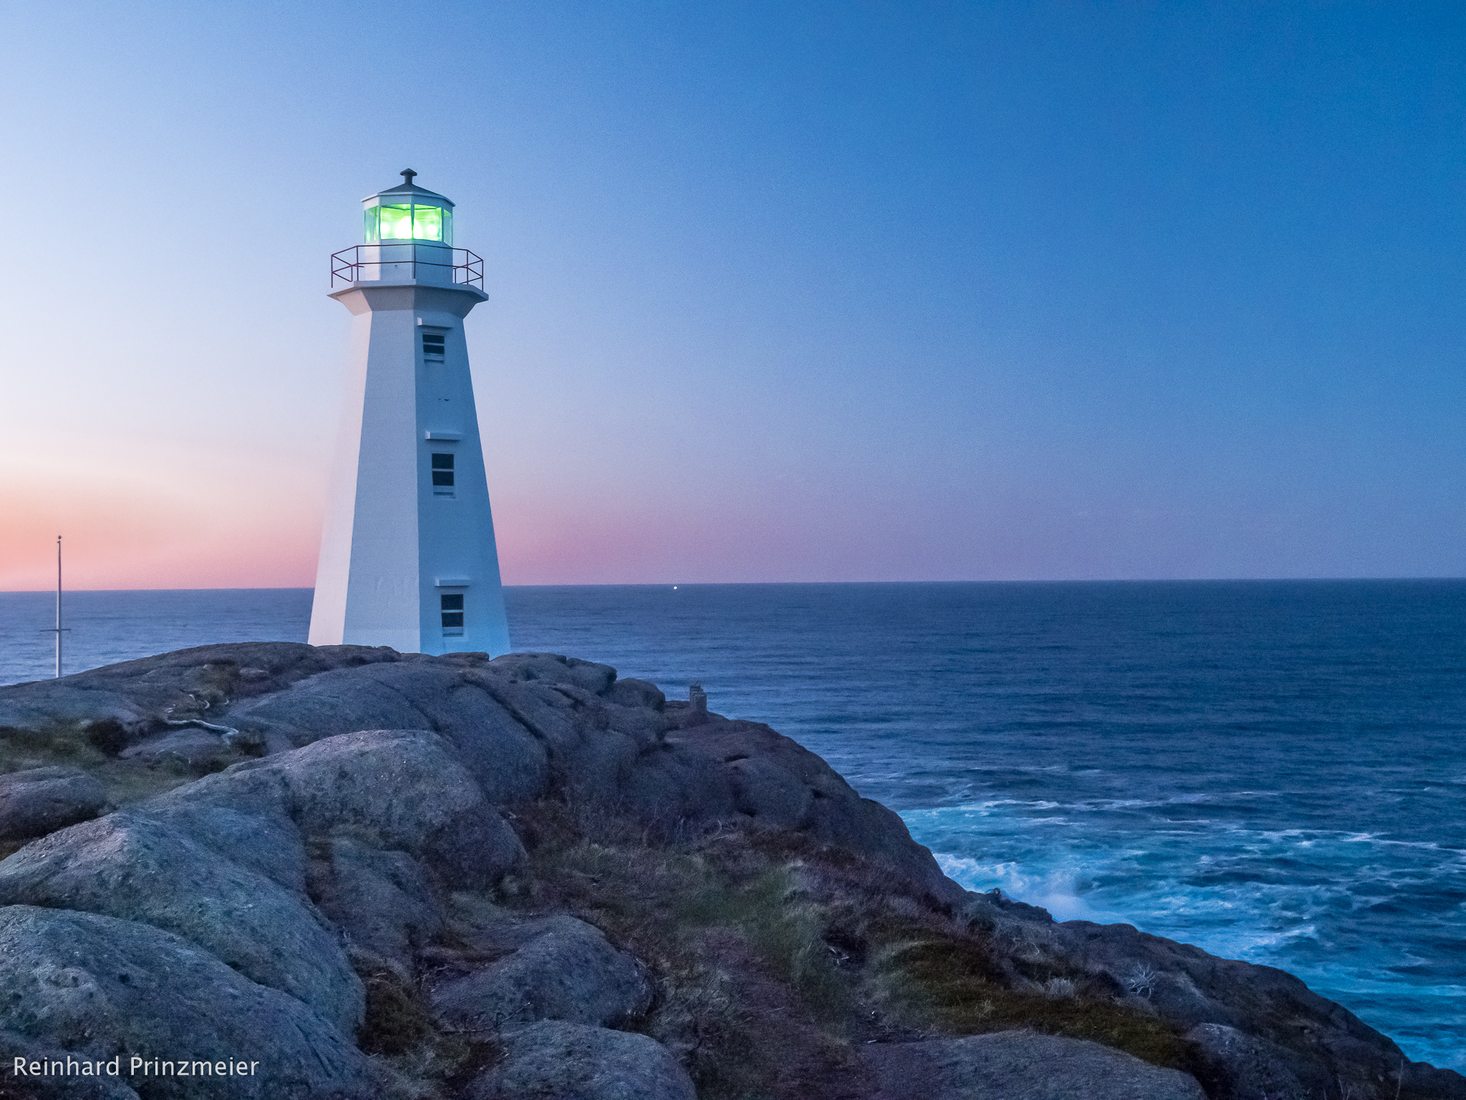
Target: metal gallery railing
{"type": "Point", "coordinates": [348, 266]}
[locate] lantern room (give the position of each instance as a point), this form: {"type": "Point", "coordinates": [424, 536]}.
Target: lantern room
{"type": "Point", "coordinates": [407, 212]}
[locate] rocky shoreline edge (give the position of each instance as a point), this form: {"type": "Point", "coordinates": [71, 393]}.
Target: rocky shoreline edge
{"type": "Point", "coordinates": [398, 876]}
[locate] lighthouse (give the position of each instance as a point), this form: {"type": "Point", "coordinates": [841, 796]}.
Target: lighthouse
{"type": "Point", "coordinates": [407, 551]}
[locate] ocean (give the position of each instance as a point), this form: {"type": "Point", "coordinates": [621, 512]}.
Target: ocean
{"type": "Point", "coordinates": [1275, 771]}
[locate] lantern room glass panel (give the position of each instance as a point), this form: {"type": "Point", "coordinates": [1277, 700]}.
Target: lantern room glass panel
{"type": "Point", "coordinates": [369, 225]}
{"type": "Point", "coordinates": [396, 222]}
{"type": "Point", "coordinates": [427, 223]}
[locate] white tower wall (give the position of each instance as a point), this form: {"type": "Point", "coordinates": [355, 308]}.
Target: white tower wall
{"type": "Point", "coordinates": [394, 542]}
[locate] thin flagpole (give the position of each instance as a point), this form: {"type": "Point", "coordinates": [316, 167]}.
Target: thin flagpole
{"type": "Point", "coordinates": [58, 607]}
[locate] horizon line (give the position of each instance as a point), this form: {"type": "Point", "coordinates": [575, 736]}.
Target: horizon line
{"type": "Point", "coordinates": [791, 584]}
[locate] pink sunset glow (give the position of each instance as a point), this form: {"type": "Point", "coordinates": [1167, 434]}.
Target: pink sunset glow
{"type": "Point", "coordinates": [734, 332]}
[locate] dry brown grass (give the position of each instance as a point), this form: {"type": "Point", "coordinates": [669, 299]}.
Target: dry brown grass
{"type": "Point", "coordinates": [125, 781]}
{"type": "Point", "coordinates": [776, 957]}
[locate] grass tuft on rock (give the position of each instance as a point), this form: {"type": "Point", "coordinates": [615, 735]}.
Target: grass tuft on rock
{"type": "Point", "coordinates": [955, 985]}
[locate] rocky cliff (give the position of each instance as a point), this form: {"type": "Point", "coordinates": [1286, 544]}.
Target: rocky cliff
{"type": "Point", "coordinates": [362, 874]}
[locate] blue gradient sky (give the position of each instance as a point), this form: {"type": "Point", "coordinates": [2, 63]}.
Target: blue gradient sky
{"type": "Point", "coordinates": [781, 291]}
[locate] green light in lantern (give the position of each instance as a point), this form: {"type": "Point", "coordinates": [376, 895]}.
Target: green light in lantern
{"type": "Point", "coordinates": [396, 222]}
{"type": "Point", "coordinates": [427, 223]}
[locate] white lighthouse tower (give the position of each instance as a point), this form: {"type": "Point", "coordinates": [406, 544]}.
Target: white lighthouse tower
{"type": "Point", "coordinates": [407, 554]}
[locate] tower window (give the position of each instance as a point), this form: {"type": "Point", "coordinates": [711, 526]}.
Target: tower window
{"type": "Point", "coordinates": [450, 606]}
{"type": "Point", "coordinates": [434, 345]}
{"type": "Point", "coordinates": [443, 472]}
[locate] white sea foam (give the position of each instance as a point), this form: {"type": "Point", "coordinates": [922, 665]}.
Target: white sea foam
{"type": "Point", "coordinates": [981, 808]}
{"type": "Point", "coordinates": [1055, 889]}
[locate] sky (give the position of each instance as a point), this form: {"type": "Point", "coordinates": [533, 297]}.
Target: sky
{"type": "Point", "coordinates": [780, 291]}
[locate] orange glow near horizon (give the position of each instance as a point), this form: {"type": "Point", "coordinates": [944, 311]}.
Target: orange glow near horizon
{"type": "Point", "coordinates": [111, 545]}
{"type": "Point", "coordinates": [125, 528]}
{"type": "Point", "coordinates": [126, 531]}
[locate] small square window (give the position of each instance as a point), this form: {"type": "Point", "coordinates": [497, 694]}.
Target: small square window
{"type": "Point", "coordinates": [450, 609]}
{"type": "Point", "coordinates": [434, 346]}
{"type": "Point", "coordinates": [442, 471]}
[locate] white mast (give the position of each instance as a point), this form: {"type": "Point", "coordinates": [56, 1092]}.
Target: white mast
{"type": "Point", "coordinates": [58, 607]}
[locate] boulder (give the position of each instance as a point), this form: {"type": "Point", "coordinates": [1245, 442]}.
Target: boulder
{"type": "Point", "coordinates": [507, 759]}
{"type": "Point", "coordinates": [776, 782]}
{"type": "Point", "coordinates": [552, 668]}
{"type": "Point", "coordinates": [1253, 1068]}
{"type": "Point", "coordinates": [266, 842]}
{"type": "Point", "coordinates": [1021, 1065]}
{"type": "Point", "coordinates": [1290, 1026]}
{"type": "Point", "coordinates": [192, 749]}
{"type": "Point", "coordinates": [99, 986]}
{"type": "Point", "coordinates": [587, 759]}
{"type": "Point", "coordinates": [335, 702]}
{"type": "Point", "coordinates": [381, 900]}
{"type": "Point", "coordinates": [629, 692]}
{"type": "Point", "coordinates": [676, 786]}
{"type": "Point", "coordinates": [564, 1061]}
{"type": "Point", "coordinates": [130, 866]}
{"type": "Point", "coordinates": [127, 702]}
{"type": "Point", "coordinates": [563, 970]}
{"type": "Point", "coordinates": [38, 800]}
{"type": "Point", "coordinates": [399, 788]}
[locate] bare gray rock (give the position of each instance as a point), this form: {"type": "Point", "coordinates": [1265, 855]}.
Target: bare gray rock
{"type": "Point", "coordinates": [268, 843]}
{"type": "Point", "coordinates": [130, 866]}
{"type": "Point", "coordinates": [341, 701]}
{"type": "Point", "coordinates": [132, 700]}
{"type": "Point", "coordinates": [1021, 1065]}
{"type": "Point", "coordinates": [1188, 987]}
{"type": "Point", "coordinates": [382, 900]}
{"type": "Point", "coordinates": [100, 986]}
{"type": "Point", "coordinates": [1254, 1068]}
{"type": "Point", "coordinates": [458, 702]}
{"type": "Point", "coordinates": [777, 782]}
{"type": "Point", "coordinates": [1253, 1021]}
{"type": "Point", "coordinates": [588, 759]}
{"type": "Point", "coordinates": [563, 969]}
{"type": "Point", "coordinates": [39, 800]}
{"type": "Point", "coordinates": [677, 786]}
{"type": "Point", "coordinates": [629, 692]}
{"type": "Point", "coordinates": [555, 669]}
{"type": "Point", "coordinates": [401, 788]}
{"type": "Point", "coordinates": [523, 726]}
{"type": "Point", "coordinates": [192, 749]}
{"type": "Point", "coordinates": [563, 1061]}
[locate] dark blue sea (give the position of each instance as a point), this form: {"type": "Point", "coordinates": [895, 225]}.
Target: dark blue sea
{"type": "Point", "coordinates": [1275, 771]}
